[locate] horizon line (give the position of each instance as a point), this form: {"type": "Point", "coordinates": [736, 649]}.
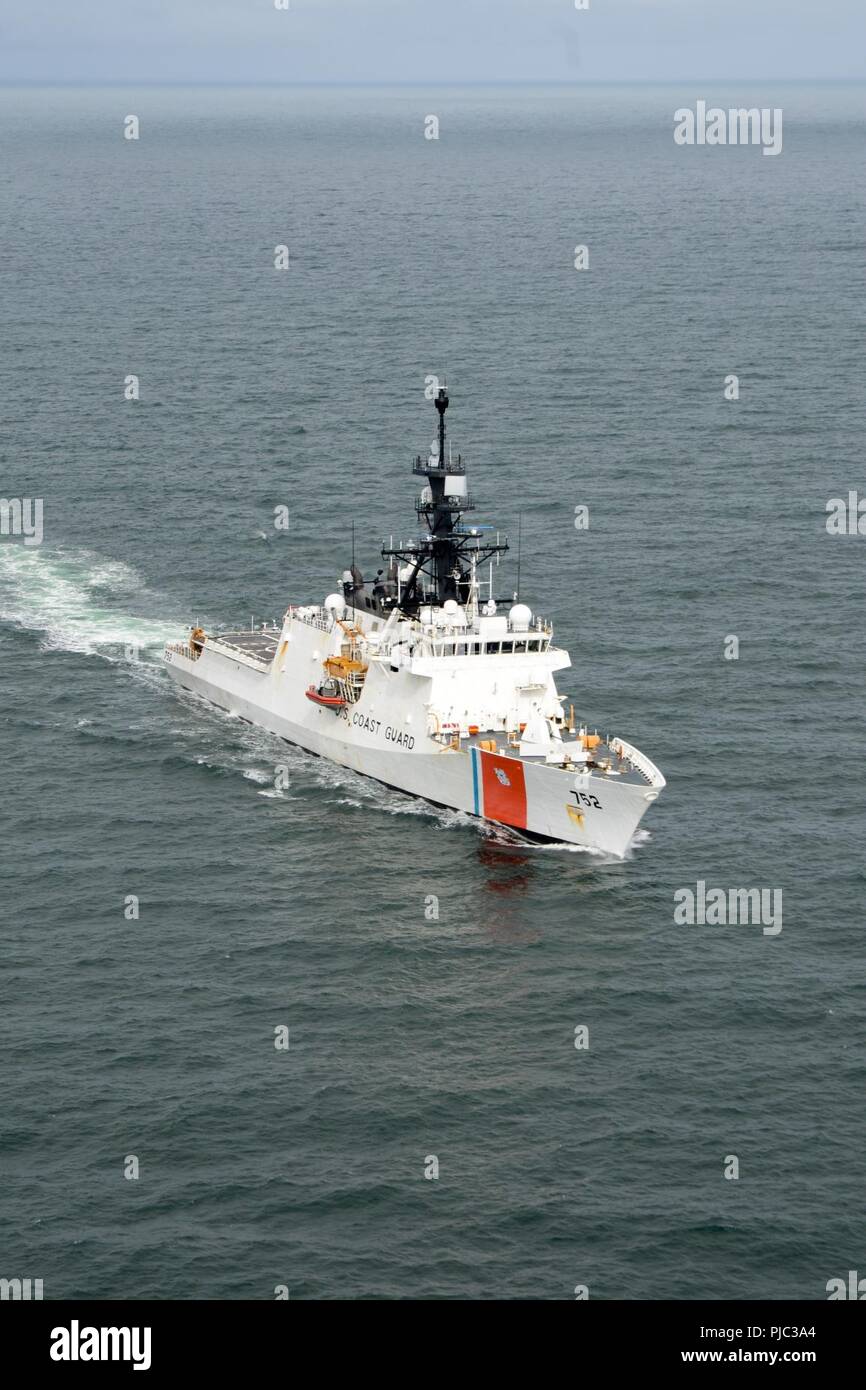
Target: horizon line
{"type": "Point", "coordinates": [416, 83]}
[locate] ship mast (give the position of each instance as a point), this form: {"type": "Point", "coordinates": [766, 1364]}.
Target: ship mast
{"type": "Point", "coordinates": [442, 561]}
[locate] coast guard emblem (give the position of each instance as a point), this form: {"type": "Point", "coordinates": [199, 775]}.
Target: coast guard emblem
{"type": "Point", "coordinates": [502, 777]}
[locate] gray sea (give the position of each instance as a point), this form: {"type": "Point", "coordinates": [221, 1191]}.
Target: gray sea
{"type": "Point", "coordinates": [413, 1035]}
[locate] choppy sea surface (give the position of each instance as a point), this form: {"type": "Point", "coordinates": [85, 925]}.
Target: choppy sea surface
{"type": "Point", "coordinates": [412, 1035]}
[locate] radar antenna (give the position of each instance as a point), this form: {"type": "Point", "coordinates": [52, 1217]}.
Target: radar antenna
{"type": "Point", "coordinates": [442, 561]}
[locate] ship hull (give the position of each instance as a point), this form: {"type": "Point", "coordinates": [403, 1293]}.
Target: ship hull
{"type": "Point", "coordinates": [384, 737]}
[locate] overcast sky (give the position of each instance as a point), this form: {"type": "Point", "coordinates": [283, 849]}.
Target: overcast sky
{"type": "Point", "coordinates": [430, 40]}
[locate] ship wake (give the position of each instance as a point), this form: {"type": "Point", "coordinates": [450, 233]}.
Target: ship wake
{"type": "Point", "coordinates": [78, 601]}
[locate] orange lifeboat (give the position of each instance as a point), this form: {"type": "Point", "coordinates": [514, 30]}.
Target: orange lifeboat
{"type": "Point", "coordinates": [326, 701]}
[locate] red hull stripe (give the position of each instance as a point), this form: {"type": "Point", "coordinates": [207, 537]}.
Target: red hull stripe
{"type": "Point", "coordinates": [504, 789]}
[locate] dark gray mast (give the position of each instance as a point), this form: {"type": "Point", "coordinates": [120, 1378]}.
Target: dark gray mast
{"type": "Point", "coordinates": [441, 560]}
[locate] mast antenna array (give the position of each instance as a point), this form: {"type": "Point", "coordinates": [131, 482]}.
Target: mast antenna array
{"type": "Point", "coordinates": [443, 561]}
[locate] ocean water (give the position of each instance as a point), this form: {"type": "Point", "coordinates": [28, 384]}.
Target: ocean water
{"type": "Point", "coordinates": [412, 1036]}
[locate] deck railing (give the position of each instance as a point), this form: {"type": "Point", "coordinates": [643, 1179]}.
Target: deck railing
{"type": "Point", "coordinates": [311, 619]}
{"type": "Point", "coordinates": [639, 761]}
{"type": "Point", "coordinates": [421, 466]}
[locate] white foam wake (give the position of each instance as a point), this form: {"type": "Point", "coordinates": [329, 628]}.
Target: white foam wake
{"type": "Point", "coordinates": [73, 598]}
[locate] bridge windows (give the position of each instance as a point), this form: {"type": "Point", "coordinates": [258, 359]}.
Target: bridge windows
{"type": "Point", "coordinates": [478, 646]}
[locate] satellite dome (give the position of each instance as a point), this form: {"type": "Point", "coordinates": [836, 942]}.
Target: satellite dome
{"type": "Point", "coordinates": [520, 616]}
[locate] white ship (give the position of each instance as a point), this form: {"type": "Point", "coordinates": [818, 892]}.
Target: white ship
{"type": "Point", "coordinates": [429, 683]}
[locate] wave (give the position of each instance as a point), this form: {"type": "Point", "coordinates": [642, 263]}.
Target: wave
{"type": "Point", "coordinates": [73, 599]}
